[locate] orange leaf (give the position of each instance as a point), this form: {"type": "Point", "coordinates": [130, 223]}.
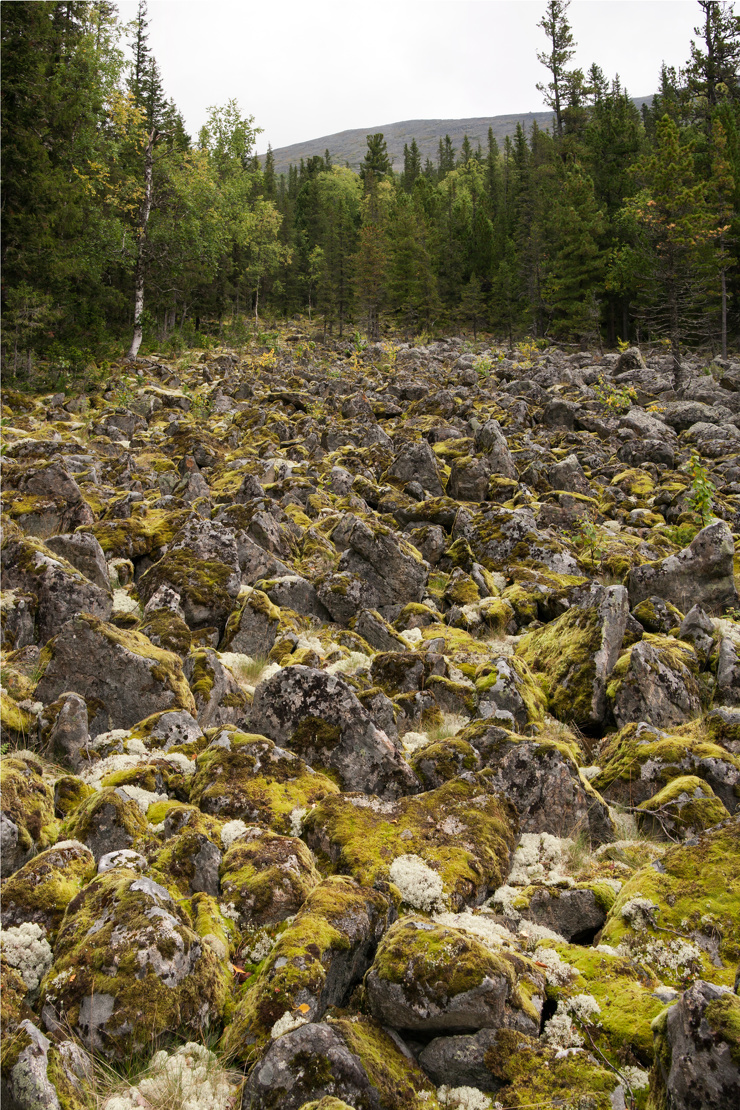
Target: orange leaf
{"type": "Point", "coordinates": [303, 1008]}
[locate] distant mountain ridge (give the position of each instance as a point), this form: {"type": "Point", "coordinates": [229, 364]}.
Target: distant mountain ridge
{"type": "Point", "coordinates": [350, 146]}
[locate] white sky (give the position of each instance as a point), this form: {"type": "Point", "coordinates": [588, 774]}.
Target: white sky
{"type": "Point", "coordinates": [308, 68]}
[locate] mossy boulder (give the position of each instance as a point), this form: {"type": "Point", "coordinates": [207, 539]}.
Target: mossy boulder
{"type": "Point", "coordinates": [509, 695]}
{"type": "Point", "coordinates": [43, 888]}
{"type": "Point", "coordinates": [656, 681]}
{"type": "Point", "coordinates": [697, 1051]}
{"type": "Point", "coordinates": [121, 675]}
{"type": "Point", "coordinates": [146, 532]}
{"type": "Point", "coordinates": [27, 822]}
{"type": "Point", "coordinates": [680, 916]}
{"type": "Point", "coordinates": [464, 831]}
{"type": "Point", "coordinates": [248, 776]}
{"type": "Point", "coordinates": [575, 911]}
{"type": "Point", "coordinates": [639, 761]}
{"type": "Point", "coordinates": [69, 794]}
{"type": "Point", "coordinates": [318, 716]}
{"type": "Point", "coordinates": [219, 699]}
{"type": "Point", "coordinates": [315, 963]}
{"type": "Point", "coordinates": [686, 806]}
{"type": "Point", "coordinates": [428, 977]}
{"type": "Point", "coordinates": [266, 878]}
{"type": "Point", "coordinates": [18, 725]}
{"type": "Point", "coordinates": [167, 630]}
{"type": "Point", "coordinates": [343, 1060]}
{"type": "Point", "coordinates": [437, 763]}
{"type": "Point", "coordinates": [528, 1072]}
{"type": "Point", "coordinates": [657, 615]}
{"type": "Point", "coordinates": [253, 628]}
{"type": "Point", "coordinates": [208, 588]}
{"type": "Point", "coordinates": [189, 863]}
{"type": "Point", "coordinates": [107, 821]}
{"type": "Point", "coordinates": [700, 574]}
{"type": "Point", "coordinates": [573, 656]}
{"type": "Point", "coordinates": [128, 967]}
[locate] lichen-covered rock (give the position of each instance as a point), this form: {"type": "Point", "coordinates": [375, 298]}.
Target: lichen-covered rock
{"type": "Point", "coordinates": [62, 591]}
{"type": "Point", "coordinates": [249, 777]}
{"type": "Point", "coordinates": [463, 832]}
{"type": "Point", "coordinates": [697, 1051]}
{"type": "Point", "coordinates": [128, 967]}
{"type": "Point", "coordinates": [575, 654]}
{"type": "Point", "coordinates": [121, 675]}
{"type": "Point", "coordinates": [41, 890]}
{"type": "Point", "coordinates": [315, 962]}
{"type": "Point", "coordinates": [348, 1059]}
{"type": "Point", "coordinates": [46, 1075]}
{"type": "Point", "coordinates": [575, 912]}
{"type": "Point", "coordinates": [543, 781]}
{"type": "Point", "coordinates": [265, 877]}
{"type": "Point", "coordinates": [508, 694]}
{"type": "Point", "coordinates": [679, 915]}
{"type": "Point", "coordinates": [26, 811]}
{"type": "Point", "coordinates": [252, 628]}
{"type": "Point", "coordinates": [428, 977]}
{"type": "Point", "coordinates": [318, 716]}
{"type": "Point", "coordinates": [107, 821]}
{"type": "Point", "coordinates": [437, 763]}
{"type": "Point", "coordinates": [655, 680]}
{"type": "Point", "coordinates": [701, 573]}
{"type": "Point", "coordinates": [84, 552]}
{"type": "Point", "coordinates": [499, 536]}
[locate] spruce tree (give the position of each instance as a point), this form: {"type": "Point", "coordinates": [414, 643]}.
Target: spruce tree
{"type": "Point", "coordinates": [561, 49]}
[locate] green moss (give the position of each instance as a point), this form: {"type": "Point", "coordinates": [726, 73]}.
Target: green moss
{"type": "Point", "coordinates": [697, 893]}
{"type": "Point", "coordinates": [267, 877]}
{"type": "Point", "coordinates": [96, 955]}
{"type": "Point", "coordinates": [562, 655]}
{"type": "Point", "coordinates": [686, 802]}
{"type": "Point", "coordinates": [463, 830]}
{"type": "Point", "coordinates": [445, 760]}
{"type": "Point", "coordinates": [69, 794]}
{"type": "Point", "coordinates": [127, 824]}
{"type": "Point", "coordinates": [398, 1080]}
{"type": "Point", "coordinates": [252, 781]}
{"type": "Point", "coordinates": [42, 889]}
{"type": "Point", "coordinates": [146, 532]}
{"type": "Point", "coordinates": [723, 1018]}
{"type": "Point", "coordinates": [28, 801]}
{"type": "Point", "coordinates": [296, 971]}
{"type": "Point", "coordinates": [532, 1074]}
{"type": "Point", "coordinates": [635, 482]}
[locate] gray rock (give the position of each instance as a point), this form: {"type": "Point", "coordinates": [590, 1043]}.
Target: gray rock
{"type": "Point", "coordinates": [490, 441]}
{"type": "Point", "coordinates": [379, 634]}
{"type": "Point", "coordinates": [574, 914]}
{"type": "Point", "coordinates": [728, 673]}
{"type": "Point", "coordinates": [696, 1065]}
{"type": "Point", "coordinates": [219, 699]}
{"type": "Point", "coordinates": [657, 687]}
{"type": "Point", "coordinates": [293, 592]}
{"type": "Point", "coordinates": [62, 591]}
{"type": "Point", "coordinates": [416, 462]}
{"type": "Point", "coordinates": [319, 715]}
{"type": "Point", "coordinates": [697, 629]}
{"type": "Point", "coordinates": [701, 573]}
{"type": "Point", "coordinates": [460, 1061]}
{"type": "Point", "coordinates": [85, 554]}
{"type": "Point", "coordinates": [120, 674]}
{"type": "Point", "coordinates": [29, 1086]}
{"type": "Point", "coordinates": [569, 475]}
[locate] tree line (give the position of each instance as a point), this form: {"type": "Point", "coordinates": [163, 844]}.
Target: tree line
{"type": "Point", "coordinates": [613, 224]}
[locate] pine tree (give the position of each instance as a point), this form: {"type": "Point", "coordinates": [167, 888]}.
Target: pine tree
{"type": "Point", "coordinates": [411, 165]}
{"type": "Point", "coordinates": [473, 304]}
{"type": "Point", "coordinates": [376, 163]}
{"type": "Point", "coordinates": [268, 174]}
{"type": "Point", "coordinates": [445, 157]}
{"type": "Point", "coordinates": [561, 49]}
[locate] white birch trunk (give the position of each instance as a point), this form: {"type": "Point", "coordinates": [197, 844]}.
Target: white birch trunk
{"type": "Point", "coordinates": [146, 208]}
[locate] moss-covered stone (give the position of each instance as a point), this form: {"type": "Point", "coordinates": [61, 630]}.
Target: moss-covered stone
{"type": "Point", "coordinates": [685, 806]}
{"type": "Point", "coordinates": [43, 888]}
{"type": "Point", "coordinates": [129, 968]}
{"type": "Point", "coordinates": [314, 963]}
{"type": "Point", "coordinates": [266, 877]}
{"type": "Point", "coordinates": [256, 781]}
{"type": "Point", "coordinates": [28, 810]}
{"type": "Point", "coordinates": [464, 830]}
{"type": "Point", "coordinates": [693, 929]}
{"type": "Point", "coordinates": [106, 821]}
{"type": "Point", "coordinates": [437, 763]}
{"type": "Point", "coordinates": [146, 532]}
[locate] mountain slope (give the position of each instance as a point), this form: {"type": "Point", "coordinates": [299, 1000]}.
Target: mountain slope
{"type": "Point", "coordinates": [350, 146]}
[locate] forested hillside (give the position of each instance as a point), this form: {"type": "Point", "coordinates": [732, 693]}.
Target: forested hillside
{"type": "Point", "coordinates": [118, 224]}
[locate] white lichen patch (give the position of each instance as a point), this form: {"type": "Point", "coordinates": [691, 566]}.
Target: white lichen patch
{"type": "Point", "coordinates": [482, 927]}
{"type": "Point", "coordinates": [412, 636]}
{"type": "Point", "coordinates": [463, 1098]}
{"type": "Point", "coordinates": [233, 830]}
{"type": "Point", "coordinates": [560, 1031]}
{"type": "Point", "coordinates": [413, 741]}
{"type": "Point", "coordinates": [143, 798]}
{"type": "Point", "coordinates": [557, 970]}
{"type": "Point", "coordinates": [420, 886]}
{"type": "Point", "coordinates": [123, 602]}
{"type": "Point", "coordinates": [191, 1078]}
{"type": "Point", "coordinates": [540, 858]}
{"type": "Point", "coordinates": [26, 948]}
{"type": "Point", "coordinates": [350, 664]}
{"type": "Point", "coordinates": [639, 913]}
{"type": "Point", "coordinates": [296, 820]}
{"type": "Point", "coordinates": [286, 1024]}
{"type": "Point", "coordinates": [675, 957]}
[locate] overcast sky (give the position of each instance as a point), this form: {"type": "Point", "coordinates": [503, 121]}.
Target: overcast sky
{"type": "Point", "coordinates": [308, 68]}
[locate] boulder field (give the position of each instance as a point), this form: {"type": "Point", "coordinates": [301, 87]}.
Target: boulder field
{"type": "Point", "coordinates": [371, 732]}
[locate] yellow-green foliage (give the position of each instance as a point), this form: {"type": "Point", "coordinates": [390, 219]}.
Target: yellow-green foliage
{"type": "Point", "coordinates": [252, 781]}
{"type": "Point", "coordinates": [463, 830]}
{"type": "Point", "coordinates": [398, 1080]}
{"type": "Point", "coordinates": [294, 975]}
{"type": "Point", "coordinates": [696, 891]}
{"type": "Point", "coordinates": [42, 889]}
{"type": "Point", "coordinates": [267, 877]}
{"type": "Point", "coordinates": [145, 532]}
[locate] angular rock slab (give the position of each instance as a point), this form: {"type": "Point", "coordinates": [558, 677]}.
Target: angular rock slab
{"type": "Point", "coordinates": [700, 574]}
{"type": "Point", "coordinates": [318, 716]}
{"type": "Point", "coordinates": [121, 675]}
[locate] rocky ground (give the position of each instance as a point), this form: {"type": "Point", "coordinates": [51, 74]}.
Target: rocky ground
{"type": "Point", "coordinates": [372, 733]}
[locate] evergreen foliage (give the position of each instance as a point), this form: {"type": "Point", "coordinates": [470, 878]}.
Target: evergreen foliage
{"type": "Point", "coordinates": [115, 222]}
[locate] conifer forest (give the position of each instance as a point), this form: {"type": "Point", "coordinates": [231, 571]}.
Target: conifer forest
{"type": "Point", "coordinates": [613, 224]}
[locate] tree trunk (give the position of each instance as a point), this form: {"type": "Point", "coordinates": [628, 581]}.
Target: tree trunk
{"type": "Point", "coordinates": [724, 313]}
{"type": "Point", "coordinates": [146, 208]}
